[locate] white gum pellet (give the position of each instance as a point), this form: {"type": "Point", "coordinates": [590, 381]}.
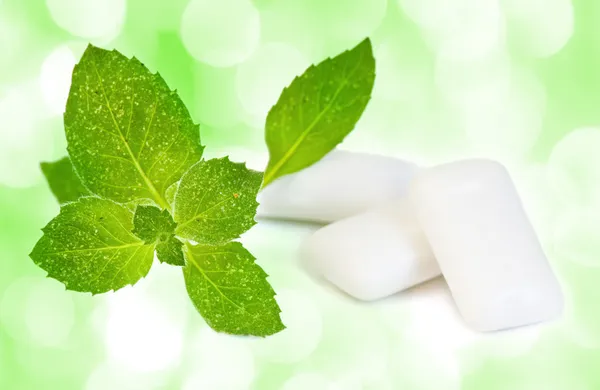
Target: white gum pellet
{"type": "Point", "coordinates": [485, 245]}
{"type": "Point", "coordinates": [374, 254]}
{"type": "Point", "coordinates": [342, 184]}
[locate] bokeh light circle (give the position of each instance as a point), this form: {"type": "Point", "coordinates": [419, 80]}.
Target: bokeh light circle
{"type": "Point", "coordinates": [476, 29]}
{"type": "Point", "coordinates": [49, 314]}
{"type": "Point", "coordinates": [25, 140]}
{"type": "Point", "coordinates": [113, 376]}
{"type": "Point", "coordinates": [427, 13]}
{"type": "Point", "coordinates": [402, 74]}
{"type": "Point", "coordinates": [484, 82]}
{"type": "Point", "coordinates": [55, 78]}
{"type": "Point", "coordinates": [540, 27]}
{"type": "Point", "coordinates": [303, 330]}
{"type": "Point", "coordinates": [140, 334]}
{"type": "Point", "coordinates": [307, 380]}
{"type": "Point", "coordinates": [37, 311]}
{"type": "Point", "coordinates": [319, 28]}
{"type": "Point", "coordinates": [583, 330]}
{"type": "Point", "coordinates": [510, 129]}
{"type": "Point", "coordinates": [367, 355]}
{"type": "Point", "coordinates": [343, 21]}
{"type": "Point", "coordinates": [415, 366]}
{"type": "Point", "coordinates": [13, 36]}
{"type": "Point", "coordinates": [435, 321]}
{"type": "Point", "coordinates": [261, 79]}
{"type": "Point", "coordinates": [220, 33]}
{"type": "Point", "coordinates": [550, 380]}
{"type": "Point", "coordinates": [539, 200]}
{"type": "Point", "coordinates": [576, 237]}
{"type": "Point", "coordinates": [465, 29]}
{"type": "Point", "coordinates": [210, 352]}
{"type": "Point", "coordinates": [91, 19]}
{"type": "Point", "coordinates": [574, 167]}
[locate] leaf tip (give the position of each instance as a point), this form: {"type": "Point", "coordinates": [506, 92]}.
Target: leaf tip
{"type": "Point", "coordinates": [366, 43]}
{"type": "Point", "coordinates": [91, 50]}
{"type": "Point", "coordinates": [278, 327]}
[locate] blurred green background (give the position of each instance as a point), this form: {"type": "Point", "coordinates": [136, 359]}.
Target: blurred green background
{"type": "Point", "coordinates": [514, 80]}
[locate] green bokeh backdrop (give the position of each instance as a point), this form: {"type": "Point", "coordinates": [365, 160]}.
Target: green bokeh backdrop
{"type": "Point", "coordinates": [514, 80]}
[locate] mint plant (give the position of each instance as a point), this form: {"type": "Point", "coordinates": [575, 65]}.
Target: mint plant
{"type": "Point", "coordinates": [318, 110]}
{"type": "Point", "coordinates": [135, 185]}
{"type": "Point", "coordinates": [157, 227]}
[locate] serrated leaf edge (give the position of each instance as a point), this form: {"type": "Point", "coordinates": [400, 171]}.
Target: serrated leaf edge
{"type": "Point", "coordinates": [266, 275]}
{"type": "Point", "coordinates": [65, 286]}
{"type": "Point", "coordinates": [268, 179]}
{"type": "Point", "coordinates": [156, 75]}
{"type": "Point", "coordinates": [225, 158]}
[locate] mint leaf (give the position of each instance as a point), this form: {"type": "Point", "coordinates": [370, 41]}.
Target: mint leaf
{"type": "Point", "coordinates": [64, 182]}
{"type": "Point", "coordinates": [216, 201]}
{"type": "Point", "coordinates": [170, 251]}
{"type": "Point", "coordinates": [156, 226]}
{"type": "Point", "coordinates": [318, 110]}
{"type": "Point", "coordinates": [152, 224]}
{"type": "Point", "coordinates": [230, 290]}
{"type": "Point", "coordinates": [130, 137]}
{"type": "Point", "coordinates": [89, 247]}
{"type": "Point", "coordinates": [170, 194]}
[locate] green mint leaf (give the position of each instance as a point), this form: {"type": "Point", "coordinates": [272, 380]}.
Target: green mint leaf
{"type": "Point", "coordinates": [216, 201]}
{"type": "Point", "coordinates": [63, 181]}
{"type": "Point", "coordinates": [318, 110]}
{"type": "Point", "coordinates": [152, 224]}
{"type": "Point", "coordinates": [89, 247]}
{"type": "Point", "coordinates": [171, 251]}
{"type": "Point", "coordinates": [170, 194]}
{"type": "Point", "coordinates": [156, 226]}
{"type": "Point", "coordinates": [130, 137]}
{"type": "Point", "coordinates": [230, 290]}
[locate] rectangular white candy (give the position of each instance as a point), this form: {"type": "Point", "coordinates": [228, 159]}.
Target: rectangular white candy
{"type": "Point", "coordinates": [342, 184]}
{"type": "Point", "coordinates": [374, 254]}
{"type": "Point", "coordinates": [485, 245]}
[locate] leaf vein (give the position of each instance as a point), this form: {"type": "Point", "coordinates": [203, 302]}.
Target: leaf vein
{"type": "Point", "coordinates": [300, 139]}
{"type": "Point", "coordinates": [159, 199]}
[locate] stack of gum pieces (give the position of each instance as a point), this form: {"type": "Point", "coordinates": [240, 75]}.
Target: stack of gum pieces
{"type": "Point", "coordinates": [393, 225]}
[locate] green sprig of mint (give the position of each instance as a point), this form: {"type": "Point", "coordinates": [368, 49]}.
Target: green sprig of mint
{"type": "Point", "coordinates": [318, 110]}
{"type": "Point", "coordinates": [135, 185]}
